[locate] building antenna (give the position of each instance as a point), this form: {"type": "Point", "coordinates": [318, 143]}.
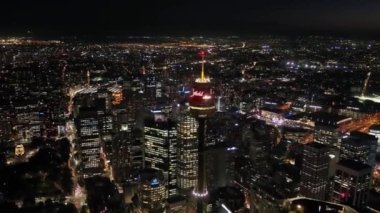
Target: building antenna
{"type": "Point", "coordinates": [202, 54]}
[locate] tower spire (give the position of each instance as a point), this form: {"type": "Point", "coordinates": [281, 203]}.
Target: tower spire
{"type": "Point", "coordinates": [202, 54]}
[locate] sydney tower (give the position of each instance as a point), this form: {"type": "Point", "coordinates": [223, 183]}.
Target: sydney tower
{"type": "Point", "coordinates": [202, 107]}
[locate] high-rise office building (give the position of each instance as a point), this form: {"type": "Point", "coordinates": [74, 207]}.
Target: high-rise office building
{"type": "Point", "coordinates": [187, 154]}
{"type": "Point", "coordinates": [256, 141]}
{"type": "Point", "coordinates": [359, 146]}
{"type": "Point", "coordinates": [375, 130]}
{"type": "Point", "coordinates": [351, 183]}
{"type": "Point", "coordinates": [105, 96]}
{"type": "Point", "coordinates": [134, 98]}
{"type": "Point", "coordinates": [160, 149]}
{"type": "Point", "coordinates": [152, 190]}
{"type": "Point", "coordinates": [127, 143]}
{"type": "Point", "coordinates": [216, 163]}
{"type": "Point", "coordinates": [152, 89]}
{"type": "Point", "coordinates": [315, 170]}
{"type": "Point", "coordinates": [106, 129]}
{"type": "Point", "coordinates": [127, 149]}
{"type": "Point", "coordinates": [88, 133]}
{"type": "Point", "coordinates": [202, 107]}
{"type": "Point", "coordinates": [327, 127]}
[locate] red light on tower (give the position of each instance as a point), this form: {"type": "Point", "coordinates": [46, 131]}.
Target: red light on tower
{"type": "Point", "coordinates": [344, 195]}
{"type": "Point", "coordinates": [202, 53]}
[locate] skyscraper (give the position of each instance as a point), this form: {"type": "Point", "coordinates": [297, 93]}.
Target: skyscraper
{"type": "Point", "coordinates": [360, 147]}
{"type": "Point", "coordinates": [375, 130]}
{"type": "Point", "coordinates": [327, 127]}
{"type": "Point", "coordinates": [127, 148]}
{"type": "Point", "coordinates": [202, 106]}
{"type": "Point", "coordinates": [152, 190]}
{"type": "Point", "coordinates": [216, 162]}
{"type": "Point", "coordinates": [160, 147]}
{"type": "Point", "coordinates": [351, 183]}
{"type": "Point", "coordinates": [257, 142]}
{"type": "Point", "coordinates": [87, 124]}
{"type": "Point", "coordinates": [315, 170]}
{"type": "Point", "coordinates": [187, 154]}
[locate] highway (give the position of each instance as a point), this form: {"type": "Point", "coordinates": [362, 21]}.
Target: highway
{"type": "Point", "coordinates": [361, 124]}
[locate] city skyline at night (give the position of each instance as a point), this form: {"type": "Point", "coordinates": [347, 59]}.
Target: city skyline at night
{"type": "Point", "coordinates": [189, 106]}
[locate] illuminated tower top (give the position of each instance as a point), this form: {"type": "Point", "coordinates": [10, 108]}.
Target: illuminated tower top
{"type": "Point", "coordinates": [201, 100]}
{"type": "Point", "coordinates": [203, 78]}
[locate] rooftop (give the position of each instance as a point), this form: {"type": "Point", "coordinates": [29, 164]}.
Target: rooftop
{"type": "Point", "coordinates": [328, 119]}
{"type": "Point", "coordinates": [317, 145]}
{"type": "Point", "coordinates": [362, 136]}
{"type": "Point", "coordinates": [354, 165]}
{"type": "Point", "coordinates": [160, 122]}
{"type": "Point", "coordinates": [312, 205]}
{"type": "Point", "coordinates": [148, 174]}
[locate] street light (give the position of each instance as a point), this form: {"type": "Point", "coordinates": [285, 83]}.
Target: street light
{"type": "Point", "coordinates": [299, 208]}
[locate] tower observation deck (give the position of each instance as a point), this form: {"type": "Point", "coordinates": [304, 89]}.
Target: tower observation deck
{"type": "Point", "coordinates": [202, 100]}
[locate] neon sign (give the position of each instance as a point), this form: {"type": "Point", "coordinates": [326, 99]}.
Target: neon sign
{"type": "Point", "coordinates": [154, 182]}
{"type": "Point", "coordinates": [198, 93]}
{"type": "Point", "coordinates": [206, 97]}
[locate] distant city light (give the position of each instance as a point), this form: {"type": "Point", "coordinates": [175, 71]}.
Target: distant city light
{"type": "Point", "coordinates": [231, 148]}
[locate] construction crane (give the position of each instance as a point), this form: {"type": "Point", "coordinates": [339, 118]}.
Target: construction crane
{"type": "Point", "coordinates": [365, 85]}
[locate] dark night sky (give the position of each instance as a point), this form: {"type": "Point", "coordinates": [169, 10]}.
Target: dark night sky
{"type": "Point", "coordinates": [170, 17]}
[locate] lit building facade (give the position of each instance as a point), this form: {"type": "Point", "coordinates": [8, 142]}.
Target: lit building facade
{"type": "Point", "coordinates": [257, 143]}
{"type": "Point", "coordinates": [88, 133]}
{"type": "Point", "coordinates": [359, 146]}
{"type": "Point", "coordinates": [153, 89]}
{"type": "Point", "coordinates": [160, 150]}
{"type": "Point", "coordinates": [315, 170]}
{"type": "Point", "coordinates": [327, 128]}
{"type": "Point", "coordinates": [187, 154]}
{"type": "Point", "coordinates": [117, 94]}
{"type": "Point", "coordinates": [152, 190]}
{"type": "Point", "coordinates": [375, 131]}
{"type": "Point", "coordinates": [127, 149]}
{"type": "Point", "coordinates": [328, 135]}
{"type": "Point", "coordinates": [351, 183]}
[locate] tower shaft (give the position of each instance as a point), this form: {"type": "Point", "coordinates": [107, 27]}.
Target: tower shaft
{"type": "Point", "coordinates": [201, 188]}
